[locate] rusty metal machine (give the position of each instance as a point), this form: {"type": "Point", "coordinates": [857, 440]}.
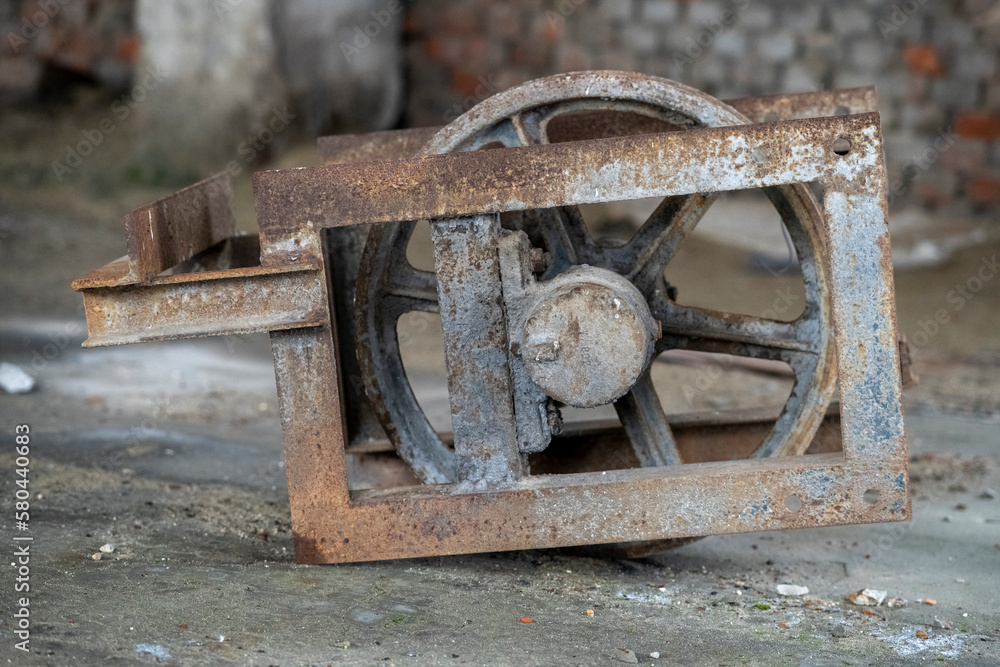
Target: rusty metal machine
{"type": "Point", "coordinates": [537, 315]}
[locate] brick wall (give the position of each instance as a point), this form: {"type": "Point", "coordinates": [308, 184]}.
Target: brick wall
{"type": "Point", "coordinates": [934, 63]}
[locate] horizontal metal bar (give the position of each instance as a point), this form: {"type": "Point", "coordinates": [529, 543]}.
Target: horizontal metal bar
{"type": "Point", "coordinates": [604, 507]}
{"type": "Point", "coordinates": [344, 148]}
{"type": "Point", "coordinates": [392, 144]}
{"type": "Point", "coordinates": [841, 102]}
{"type": "Point", "coordinates": [506, 179]}
{"type": "Point", "coordinates": [211, 304]}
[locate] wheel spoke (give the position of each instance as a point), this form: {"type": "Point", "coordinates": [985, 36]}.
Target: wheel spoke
{"type": "Point", "coordinates": [659, 238]}
{"type": "Point", "coordinates": [548, 223]}
{"type": "Point", "coordinates": [503, 132]}
{"type": "Point", "coordinates": [415, 287]}
{"type": "Point", "coordinates": [646, 425]}
{"type": "Point", "coordinates": [701, 324]}
{"type": "Point", "coordinates": [528, 127]}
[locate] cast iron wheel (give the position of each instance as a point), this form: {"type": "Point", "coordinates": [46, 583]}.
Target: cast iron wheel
{"type": "Point", "coordinates": [388, 286]}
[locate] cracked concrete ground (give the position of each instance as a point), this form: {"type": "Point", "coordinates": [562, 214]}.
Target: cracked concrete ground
{"type": "Point", "coordinates": [170, 453]}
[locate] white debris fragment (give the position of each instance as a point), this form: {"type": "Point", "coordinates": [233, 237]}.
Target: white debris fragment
{"type": "Point", "coordinates": [867, 597]}
{"type": "Point", "coordinates": [14, 379]}
{"type": "Point", "coordinates": [654, 655]}
{"type": "Point", "coordinates": [155, 650]}
{"type": "Point", "coordinates": [792, 589]}
{"type": "Point", "coordinates": [107, 548]}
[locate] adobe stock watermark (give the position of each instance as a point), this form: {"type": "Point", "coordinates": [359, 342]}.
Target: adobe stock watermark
{"type": "Point", "coordinates": [254, 144]}
{"type": "Point", "coordinates": [563, 11]}
{"type": "Point", "coordinates": [31, 26]}
{"type": "Point", "coordinates": [121, 109]}
{"type": "Point", "coordinates": [916, 166]}
{"type": "Point", "coordinates": [701, 43]}
{"type": "Point", "coordinates": [957, 298]}
{"type": "Point", "coordinates": [707, 376]}
{"type": "Point", "coordinates": [363, 36]}
{"type": "Point", "coordinates": [223, 7]}
{"type": "Point", "coordinates": [58, 341]}
{"type": "Point", "coordinates": [901, 13]}
{"type": "Point", "coordinates": [487, 87]}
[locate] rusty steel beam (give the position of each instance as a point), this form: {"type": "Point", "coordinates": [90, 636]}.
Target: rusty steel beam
{"type": "Point", "coordinates": [475, 349]}
{"type": "Point", "coordinates": [176, 228]}
{"type": "Point", "coordinates": [291, 201]}
{"type": "Point", "coordinates": [392, 144]}
{"type": "Point", "coordinates": [211, 303]}
{"type": "Point", "coordinates": [601, 507]}
{"type": "Point", "coordinates": [689, 424]}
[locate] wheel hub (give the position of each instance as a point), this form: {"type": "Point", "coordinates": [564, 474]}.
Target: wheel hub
{"type": "Point", "coordinates": [588, 336]}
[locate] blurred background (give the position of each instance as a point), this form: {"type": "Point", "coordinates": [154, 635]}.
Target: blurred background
{"type": "Point", "coordinates": [109, 104]}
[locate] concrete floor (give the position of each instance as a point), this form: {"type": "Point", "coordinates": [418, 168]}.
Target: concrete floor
{"type": "Point", "coordinates": [170, 452]}
{"type": "Point", "coordinates": [189, 489]}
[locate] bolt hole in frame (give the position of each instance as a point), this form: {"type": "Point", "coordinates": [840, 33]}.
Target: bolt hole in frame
{"type": "Point", "coordinates": [289, 294]}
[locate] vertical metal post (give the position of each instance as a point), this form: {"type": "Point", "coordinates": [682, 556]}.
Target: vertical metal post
{"type": "Point", "coordinates": [475, 348]}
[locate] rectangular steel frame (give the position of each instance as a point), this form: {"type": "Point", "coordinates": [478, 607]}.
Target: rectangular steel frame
{"type": "Point", "coordinates": [333, 524]}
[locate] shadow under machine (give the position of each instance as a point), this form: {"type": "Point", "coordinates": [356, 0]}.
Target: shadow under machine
{"type": "Point", "coordinates": [538, 315]}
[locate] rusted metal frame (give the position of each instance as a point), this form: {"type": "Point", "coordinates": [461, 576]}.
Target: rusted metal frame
{"type": "Point", "coordinates": [686, 422]}
{"type": "Point", "coordinates": [475, 348]}
{"type": "Point", "coordinates": [864, 313]}
{"type": "Point", "coordinates": [840, 102]}
{"type": "Point", "coordinates": [405, 143]}
{"type": "Point", "coordinates": [646, 425]}
{"type": "Point", "coordinates": [546, 176]}
{"type": "Point", "coordinates": [544, 511]}
{"type": "Point", "coordinates": [609, 506]}
{"type": "Point", "coordinates": [176, 228]}
{"type": "Point", "coordinates": [212, 303]}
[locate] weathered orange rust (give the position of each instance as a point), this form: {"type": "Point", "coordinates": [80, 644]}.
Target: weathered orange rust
{"type": "Point", "coordinates": [297, 291]}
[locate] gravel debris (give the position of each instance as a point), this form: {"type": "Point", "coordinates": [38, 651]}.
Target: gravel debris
{"type": "Point", "coordinates": [867, 597]}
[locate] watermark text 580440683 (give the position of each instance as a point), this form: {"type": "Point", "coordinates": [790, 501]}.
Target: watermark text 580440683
{"type": "Point", "coordinates": [22, 539]}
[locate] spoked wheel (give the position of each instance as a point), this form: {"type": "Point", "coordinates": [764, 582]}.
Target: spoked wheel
{"type": "Point", "coordinates": [388, 286]}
